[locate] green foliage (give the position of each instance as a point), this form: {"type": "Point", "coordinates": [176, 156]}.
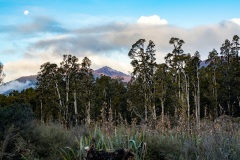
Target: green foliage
{"type": "Point", "coordinates": [15, 121]}
{"type": "Point", "coordinates": [17, 115]}
{"type": "Point", "coordinates": [213, 141]}
{"type": "Point", "coordinates": [45, 141]}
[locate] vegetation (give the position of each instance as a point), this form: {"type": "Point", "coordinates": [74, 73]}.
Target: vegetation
{"type": "Point", "coordinates": [2, 75]}
{"type": "Point", "coordinates": [175, 110]}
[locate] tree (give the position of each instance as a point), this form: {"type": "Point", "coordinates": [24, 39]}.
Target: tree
{"type": "Point", "coordinates": [214, 61]}
{"type": "Point", "coordinates": [227, 60]}
{"type": "Point", "coordinates": [226, 51]}
{"type": "Point", "coordinates": [50, 98]}
{"type": "Point", "coordinates": [235, 46]}
{"type": "Point", "coordinates": [193, 72]}
{"type": "Point", "coordinates": [143, 62]}
{"type": "Point", "coordinates": [86, 86]}
{"type": "Point", "coordinates": [68, 69]}
{"type": "Point", "coordinates": [2, 75]}
{"type": "Point", "coordinates": [162, 78]}
{"type": "Point", "coordinates": [177, 61]}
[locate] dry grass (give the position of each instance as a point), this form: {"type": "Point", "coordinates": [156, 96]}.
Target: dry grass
{"type": "Point", "coordinates": [214, 140]}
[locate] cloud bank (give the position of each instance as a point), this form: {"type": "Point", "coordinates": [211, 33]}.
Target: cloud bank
{"type": "Point", "coordinates": [236, 20]}
{"type": "Point", "coordinates": [109, 44]}
{"type": "Point", "coordinates": [38, 25]}
{"type": "Point", "coordinates": [15, 85]}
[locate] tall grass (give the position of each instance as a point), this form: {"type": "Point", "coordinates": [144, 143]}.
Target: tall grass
{"type": "Point", "coordinates": [214, 140]}
{"type": "Point", "coordinates": [108, 139]}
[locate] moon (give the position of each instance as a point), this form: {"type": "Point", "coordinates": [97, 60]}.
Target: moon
{"type": "Point", "coordinates": [26, 12]}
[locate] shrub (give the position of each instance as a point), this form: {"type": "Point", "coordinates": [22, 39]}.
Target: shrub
{"type": "Point", "coordinates": [14, 122]}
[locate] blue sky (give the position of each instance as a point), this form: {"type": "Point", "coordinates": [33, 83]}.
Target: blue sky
{"type": "Point", "coordinates": [104, 30]}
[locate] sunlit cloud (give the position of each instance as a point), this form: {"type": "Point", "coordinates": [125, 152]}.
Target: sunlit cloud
{"type": "Point", "coordinates": [236, 20]}
{"type": "Point", "coordinates": [152, 20]}
{"type": "Point", "coordinates": [108, 44]}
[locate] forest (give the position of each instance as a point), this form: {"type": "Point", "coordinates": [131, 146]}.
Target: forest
{"type": "Point", "coordinates": [184, 108]}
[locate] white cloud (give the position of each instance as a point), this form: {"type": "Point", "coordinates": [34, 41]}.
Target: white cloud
{"type": "Point", "coordinates": [109, 44]}
{"type": "Point", "coordinates": [15, 85]}
{"type": "Point", "coordinates": [152, 20]}
{"type": "Point", "coordinates": [235, 20]}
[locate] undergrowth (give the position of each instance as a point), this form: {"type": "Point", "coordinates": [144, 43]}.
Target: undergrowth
{"type": "Point", "coordinates": [217, 140]}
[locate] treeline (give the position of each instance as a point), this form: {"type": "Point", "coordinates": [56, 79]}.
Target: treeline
{"type": "Point", "coordinates": [180, 88]}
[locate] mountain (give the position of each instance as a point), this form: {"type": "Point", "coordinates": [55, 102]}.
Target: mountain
{"type": "Point", "coordinates": [30, 81]}
{"type": "Point", "coordinates": [107, 71]}
{"type": "Point", "coordinates": [204, 63]}
{"type": "Point", "coordinates": [19, 84]}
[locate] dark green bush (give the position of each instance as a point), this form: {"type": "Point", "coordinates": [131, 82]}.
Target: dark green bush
{"type": "Point", "coordinates": [45, 141]}
{"type": "Point", "coordinates": [15, 121]}
{"type": "Point", "coordinates": [18, 115]}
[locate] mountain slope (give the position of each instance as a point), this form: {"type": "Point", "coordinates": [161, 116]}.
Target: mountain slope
{"type": "Point", "coordinates": [107, 71]}
{"type": "Point", "coordinates": [18, 84]}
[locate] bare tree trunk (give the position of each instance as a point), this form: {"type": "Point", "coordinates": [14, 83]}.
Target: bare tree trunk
{"type": "Point", "coordinates": [145, 99]}
{"type": "Point", "coordinates": [88, 109]}
{"type": "Point", "coordinates": [196, 107]}
{"type": "Point", "coordinates": [187, 98]}
{"type": "Point", "coordinates": [177, 94]}
{"type": "Point", "coordinates": [188, 104]}
{"type": "Point", "coordinates": [58, 93]}
{"type": "Point", "coordinates": [41, 111]}
{"type": "Point", "coordinates": [198, 98]}
{"type": "Point", "coordinates": [195, 103]}
{"type": "Point", "coordinates": [153, 103]}
{"type": "Point", "coordinates": [179, 82]}
{"type": "Point", "coordinates": [67, 101]}
{"type": "Point", "coordinates": [162, 105]}
{"type": "Point", "coordinates": [60, 103]}
{"type": "Point", "coordinates": [75, 107]}
{"type": "Point", "coordinates": [215, 93]}
{"type": "Point", "coordinates": [205, 111]}
{"type": "Point", "coordinates": [146, 107]}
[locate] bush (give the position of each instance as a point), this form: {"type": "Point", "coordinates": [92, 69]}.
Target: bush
{"type": "Point", "coordinates": [17, 115]}
{"type": "Point", "coordinates": [45, 141]}
{"type": "Point", "coordinates": [15, 120]}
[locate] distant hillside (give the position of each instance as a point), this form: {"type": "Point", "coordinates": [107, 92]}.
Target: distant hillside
{"type": "Point", "coordinates": [19, 84]}
{"type": "Point", "coordinates": [107, 71]}
{"type": "Point", "coordinates": [204, 63]}
{"type": "Point", "coordinates": [30, 81]}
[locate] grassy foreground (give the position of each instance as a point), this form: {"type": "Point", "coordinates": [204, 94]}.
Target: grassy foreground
{"type": "Point", "coordinates": [214, 140]}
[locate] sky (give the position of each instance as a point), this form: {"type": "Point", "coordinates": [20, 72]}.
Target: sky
{"type": "Point", "coordinates": [33, 32]}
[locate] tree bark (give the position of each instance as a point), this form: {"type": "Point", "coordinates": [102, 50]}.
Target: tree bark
{"type": "Point", "coordinates": [60, 104]}
{"type": "Point", "coordinates": [67, 101]}
{"type": "Point", "coordinates": [58, 93]}
{"type": "Point", "coordinates": [198, 97]}
{"type": "Point", "coordinates": [162, 105]}
{"type": "Point", "coordinates": [75, 107]}
{"type": "Point", "coordinates": [88, 109]}
{"type": "Point", "coordinates": [41, 111]}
